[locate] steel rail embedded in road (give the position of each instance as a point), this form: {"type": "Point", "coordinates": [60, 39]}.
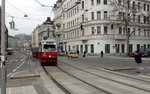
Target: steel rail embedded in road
{"type": "Point", "coordinates": [56, 82]}
{"type": "Point", "coordinates": [146, 90]}
{"type": "Point", "coordinates": [107, 92]}
{"type": "Point", "coordinates": [115, 73]}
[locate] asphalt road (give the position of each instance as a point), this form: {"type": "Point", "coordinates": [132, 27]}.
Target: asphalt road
{"type": "Point", "coordinates": [120, 64]}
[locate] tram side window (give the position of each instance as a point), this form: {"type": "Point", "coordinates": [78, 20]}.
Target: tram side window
{"type": "Point", "coordinates": [49, 48]}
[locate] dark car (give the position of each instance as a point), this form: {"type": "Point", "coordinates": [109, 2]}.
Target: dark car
{"type": "Point", "coordinates": [9, 51]}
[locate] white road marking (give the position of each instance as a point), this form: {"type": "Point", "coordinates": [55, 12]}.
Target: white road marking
{"type": "Point", "coordinates": [11, 73]}
{"type": "Point", "coordinates": [10, 61]}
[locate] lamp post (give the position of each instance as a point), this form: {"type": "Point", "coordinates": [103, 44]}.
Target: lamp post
{"type": "Point", "coordinates": [3, 49]}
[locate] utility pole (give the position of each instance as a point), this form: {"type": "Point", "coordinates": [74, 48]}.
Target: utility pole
{"type": "Point", "coordinates": [3, 49]}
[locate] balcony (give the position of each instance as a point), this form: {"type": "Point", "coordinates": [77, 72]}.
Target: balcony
{"type": "Point", "coordinates": [119, 37]}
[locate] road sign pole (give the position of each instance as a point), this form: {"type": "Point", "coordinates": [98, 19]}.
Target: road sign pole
{"type": "Point", "coordinates": [3, 49]}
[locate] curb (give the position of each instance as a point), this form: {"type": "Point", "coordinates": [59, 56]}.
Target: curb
{"type": "Point", "coordinates": [118, 69]}
{"type": "Point", "coordinates": [19, 77]}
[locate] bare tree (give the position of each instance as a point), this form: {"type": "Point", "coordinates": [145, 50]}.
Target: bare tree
{"type": "Point", "coordinates": [126, 13]}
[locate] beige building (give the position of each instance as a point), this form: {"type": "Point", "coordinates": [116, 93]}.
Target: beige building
{"type": "Point", "coordinates": [44, 31]}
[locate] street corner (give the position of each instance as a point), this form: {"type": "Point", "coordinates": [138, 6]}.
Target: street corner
{"type": "Point", "coordinates": [25, 74]}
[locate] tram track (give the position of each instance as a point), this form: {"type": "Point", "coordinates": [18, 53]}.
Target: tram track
{"type": "Point", "coordinates": [67, 91]}
{"type": "Point", "coordinates": [110, 79]}
{"type": "Point", "coordinates": [116, 73]}
{"type": "Point", "coordinates": [56, 82]}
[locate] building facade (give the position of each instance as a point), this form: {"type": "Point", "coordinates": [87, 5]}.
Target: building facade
{"type": "Point", "coordinates": [12, 42]}
{"type": "Point", "coordinates": [87, 25]}
{"type": "Point", "coordinates": [44, 31]}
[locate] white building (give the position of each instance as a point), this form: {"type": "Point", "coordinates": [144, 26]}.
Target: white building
{"type": "Point", "coordinates": [87, 25]}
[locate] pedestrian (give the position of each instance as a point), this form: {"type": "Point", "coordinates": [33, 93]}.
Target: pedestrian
{"type": "Point", "coordinates": [84, 53]}
{"type": "Point", "coordinates": [138, 61]}
{"type": "Point", "coordinates": [102, 53]}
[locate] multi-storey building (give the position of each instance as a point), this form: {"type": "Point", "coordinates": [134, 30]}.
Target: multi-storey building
{"type": "Point", "coordinates": [44, 31]}
{"type": "Point", "coordinates": [88, 25]}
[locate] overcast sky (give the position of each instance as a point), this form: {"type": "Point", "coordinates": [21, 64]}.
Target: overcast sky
{"type": "Point", "coordinates": [36, 14]}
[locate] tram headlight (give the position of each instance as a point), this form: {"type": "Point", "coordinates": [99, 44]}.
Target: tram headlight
{"type": "Point", "coordinates": [49, 55]}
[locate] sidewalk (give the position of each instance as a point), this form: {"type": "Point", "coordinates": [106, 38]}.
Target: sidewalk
{"type": "Point", "coordinates": [118, 57]}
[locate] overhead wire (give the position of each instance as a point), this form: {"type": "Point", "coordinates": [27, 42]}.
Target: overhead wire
{"type": "Point", "coordinates": [8, 15]}
{"type": "Point", "coordinates": [43, 4]}
{"type": "Point", "coordinates": [16, 7]}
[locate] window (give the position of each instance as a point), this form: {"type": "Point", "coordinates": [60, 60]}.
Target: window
{"type": "Point", "coordinates": [119, 2]}
{"type": "Point", "coordinates": [129, 31]}
{"type": "Point", "coordinates": [93, 31]}
{"type": "Point", "coordinates": [98, 30]}
{"type": "Point", "coordinates": [63, 26]}
{"type": "Point", "coordinates": [105, 29]}
{"type": "Point", "coordinates": [81, 48]}
{"type": "Point", "coordinates": [92, 48]}
{"type": "Point", "coordinates": [98, 15]}
{"type": "Point", "coordinates": [144, 7]}
{"type": "Point", "coordinates": [139, 30]}
{"type": "Point", "coordinates": [98, 2]}
{"type": "Point", "coordinates": [63, 16]}
{"type": "Point", "coordinates": [117, 48]}
{"type": "Point", "coordinates": [139, 5]}
{"type": "Point", "coordinates": [82, 18]}
{"type": "Point", "coordinates": [139, 18]}
{"type": "Point", "coordinates": [133, 5]}
{"type": "Point", "coordinates": [134, 17]}
{"type": "Point", "coordinates": [105, 2]}
{"type": "Point", "coordinates": [86, 48]}
{"type": "Point", "coordinates": [92, 15]}
{"type": "Point", "coordinates": [133, 31]}
{"type": "Point", "coordinates": [130, 48]}
{"type": "Point", "coordinates": [120, 30]}
{"type": "Point", "coordinates": [144, 32]}
{"type": "Point", "coordinates": [82, 4]}
{"type": "Point", "coordinates": [145, 19]}
{"type": "Point", "coordinates": [122, 48]}
{"type": "Point", "coordinates": [107, 48]}
{"type": "Point", "coordinates": [138, 46]}
{"type": "Point", "coordinates": [148, 7]}
{"type": "Point", "coordinates": [128, 1]}
{"type": "Point", "coordinates": [92, 2]}
{"type": "Point", "coordinates": [49, 48]}
{"type": "Point", "coordinates": [105, 14]}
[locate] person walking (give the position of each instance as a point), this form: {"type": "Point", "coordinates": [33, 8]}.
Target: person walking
{"type": "Point", "coordinates": [102, 53]}
{"type": "Point", "coordinates": [84, 53]}
{"type": "Point", "coordinates": [138, 61]}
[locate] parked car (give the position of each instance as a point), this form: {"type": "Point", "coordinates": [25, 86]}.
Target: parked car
{"type": "Point", "coordinates": [9, 51]}
{"type": "Point", "coordinates": [73, 55]}
{"type": "Point", "coordinates": [143, 53]}
{"type": "Point", "coordinates": [62, 53]}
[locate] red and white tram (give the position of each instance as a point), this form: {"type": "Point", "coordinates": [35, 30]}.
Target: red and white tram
{"type": "Point", "coordinates": [47, 52]}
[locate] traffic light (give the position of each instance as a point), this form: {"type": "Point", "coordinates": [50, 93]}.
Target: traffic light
{"type": "Point", "coordinates": [12, 25]}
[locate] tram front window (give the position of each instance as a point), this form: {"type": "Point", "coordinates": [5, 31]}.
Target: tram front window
{"type": "Point", "coordinates": [49, 48]}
